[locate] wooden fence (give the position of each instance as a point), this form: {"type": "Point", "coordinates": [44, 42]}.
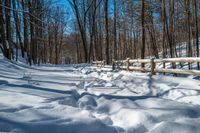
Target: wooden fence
{"type": "Point", "coordinates": [99, 63]}
{"type": "Point", "coordinates": [128, 65]}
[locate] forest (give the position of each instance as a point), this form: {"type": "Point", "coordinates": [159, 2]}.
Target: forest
{"type": "Point", "coordinates": [86, 30]}
{"type": "Point", "coordinates": [99, 66]}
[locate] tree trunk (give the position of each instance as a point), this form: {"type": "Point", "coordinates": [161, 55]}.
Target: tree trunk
{"type": "Point", "coordinates": [189, 47]}
{"type": "Point", "coordinates": [197, 32]}
{"type": "Point", "coordinates": [17, 25]}
{"type": "Point", "coordinates": [107, 32]}
{"type": "Point", "coordinates": [8, 28]}
{"type": "Point", "coordinates": [143, 31]}
{"type": "Point", "coordinates": [3, 35]}
{"type": "Point", "coordinates": [115, 30]}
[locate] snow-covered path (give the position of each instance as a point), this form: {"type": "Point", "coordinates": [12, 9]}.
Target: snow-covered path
{"type": "Point", "coordinates": [87, 100]}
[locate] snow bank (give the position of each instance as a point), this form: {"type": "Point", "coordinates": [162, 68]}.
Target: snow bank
{"type": "Point", "coordinates": [70, 98]}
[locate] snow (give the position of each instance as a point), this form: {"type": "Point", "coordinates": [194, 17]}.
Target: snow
{"type": "Point", "coordinates": [85, 99]}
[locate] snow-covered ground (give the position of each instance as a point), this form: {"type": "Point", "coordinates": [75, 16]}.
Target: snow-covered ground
{"type": "Point", "coordinates": [82, 99]}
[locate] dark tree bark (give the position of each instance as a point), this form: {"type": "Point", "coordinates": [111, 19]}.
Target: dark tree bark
{"type": "Point", "coordinates": [189, 46]}
{"type": "Point", "coordinates": [3, 34]}
{"type": "Point", "coordinates": [115, 30]}
{"type": "Point", "coordinates": [107, 32]}
{"type": "Point", "coordinates": [143, 31]}
{"type": "Point", "coordinates": [17, 25]}
{"type": "Point", "coordinates": [8, 27]}
{"type": "Point", "coordinates": [197, 32]}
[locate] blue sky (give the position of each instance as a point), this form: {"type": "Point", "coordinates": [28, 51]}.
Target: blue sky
{"type": "Point", "coordinates": [69, 13]}
{"type": "Point", "coordinates": [70, 17]}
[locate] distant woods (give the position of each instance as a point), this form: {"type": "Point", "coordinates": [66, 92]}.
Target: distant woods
{"type": "Point", "coordinates": [99, 29]}
{"type": "Point", "coordinates": [34, 27]}
{"type": "Point", "coordinates": [120, 29]}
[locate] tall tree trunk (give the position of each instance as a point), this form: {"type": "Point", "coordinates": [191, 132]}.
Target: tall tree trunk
{"type": "Point", "coordinates": [93, 30]}
{"type": "Point", "coordinates": [197, 32]}
{"type": "Point", "coordinates": [26, 38]}
{"type": "Point", "coordinates": [17, 25]}
{"type": "Point", "coordinates": [32, 35]}
{"type": "Point", "coordinates": [82, 26]}
{"type": "Point", "coordinates": [189, 46]}
{"type": "Point", "coordinates": [143, 31]}
{"type": "Point", "coordinates": [115, 30]}
{"type": "Point", "coordinates": [8, 27]}
{"type": "Point", "coordinates": [107, 32]}
{"type": "Point", "coordinates": [3, 34]}
{"type": "Point", "coordinates": [171, 19]}
{"type": "Point", "coordinates": [163, 31]}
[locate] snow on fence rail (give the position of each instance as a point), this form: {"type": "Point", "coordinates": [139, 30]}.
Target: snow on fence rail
{"type": "Point", "coordinates": [128, 65]}
{"type": "Point", "coordinates": [99, 63]}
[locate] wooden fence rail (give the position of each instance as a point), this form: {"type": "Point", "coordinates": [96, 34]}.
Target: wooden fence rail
{"type": "Point", "coordinates": [128, 65]}
{"type": "Point", "coordinates": [99, 63]}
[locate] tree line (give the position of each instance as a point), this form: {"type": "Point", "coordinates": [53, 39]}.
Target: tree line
{"type": "Point", "coordinates": [99, 29]}
{"type": "Point", "coordinates": [119, 29]}
{"type": "Point", "coordinates": [35, 27]}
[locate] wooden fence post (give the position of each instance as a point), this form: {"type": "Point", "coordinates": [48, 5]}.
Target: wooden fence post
{"type": "Point", "coordinates": [153, 65]}
{"type": "Point", "coordinates": [104, 63]}
{"type": "Point", "coordinates": [164, 66]}
{"type": "Point", "coordinates": [128, 64]}
{"type": "Point", "coordinates": [113, 64]}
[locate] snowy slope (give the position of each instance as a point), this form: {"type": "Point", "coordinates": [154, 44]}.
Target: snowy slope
{"type": "Point", "coordinates": [181, 49]}
{"type": "Point", "coordinates": [60, 99]}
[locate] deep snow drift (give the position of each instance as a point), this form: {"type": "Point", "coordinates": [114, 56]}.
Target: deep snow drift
{"type": "Point", "coordinates": [70, 99]}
